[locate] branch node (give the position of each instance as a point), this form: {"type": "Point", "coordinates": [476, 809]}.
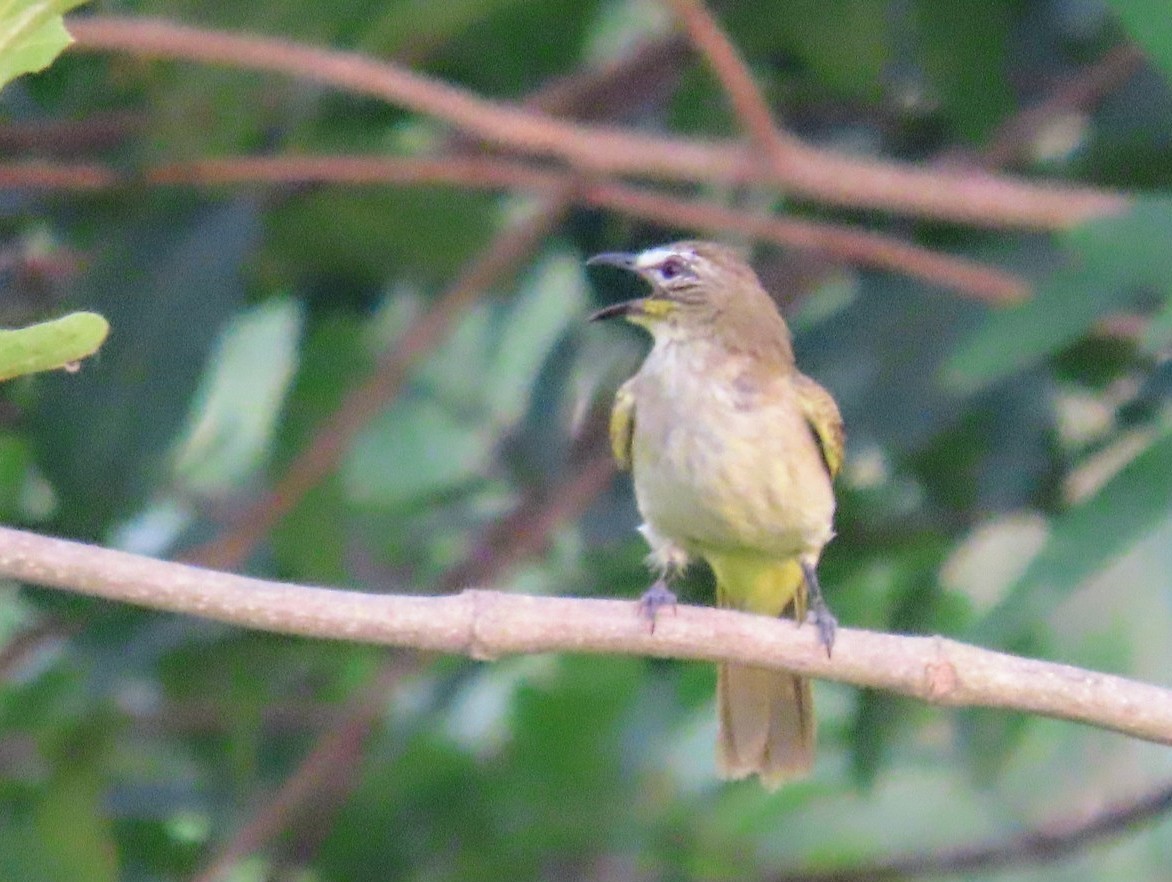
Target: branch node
{"type": "Point", "coordinates": [477, 646]}
{"type": "Point", "coordinates": [941, 679]}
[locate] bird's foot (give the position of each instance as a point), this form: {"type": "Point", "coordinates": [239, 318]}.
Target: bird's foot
{"type": "Point", "coordinates": [654, 599]}
{"type": "Point", "coordinates": [820, 614]}
{"type": "Point", "coordinates": [823, 619]}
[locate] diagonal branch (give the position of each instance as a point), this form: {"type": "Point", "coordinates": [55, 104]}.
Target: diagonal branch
{"type": "Point", "coordinates": [318, 775]}
{"type": "Point", "coordinates": [750, 106]}
{"type": "Point", "coordinates": [333, 438]}
{"type": "Point", "coordinates": [1059, 839]}
{"type": "Point", "coordinates": [964, 196]}
{"type": "Point", "coordinates": [487, 624]}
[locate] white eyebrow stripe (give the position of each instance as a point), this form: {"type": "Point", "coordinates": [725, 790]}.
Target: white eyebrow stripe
{"type": "Point", "coordinates": [655, 256]}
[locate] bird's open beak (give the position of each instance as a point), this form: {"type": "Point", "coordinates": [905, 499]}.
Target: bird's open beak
{"type": "Point", "coordinates": [622, 260]}
{"type": "Point", "coordinates": [619, 310]}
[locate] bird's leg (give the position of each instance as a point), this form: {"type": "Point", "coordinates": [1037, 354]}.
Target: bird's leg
{"type": "Point", "coordinates": [656, 598]}
{"type": "Point", "coordinates": [820, 613]}
{"type": "Point", "coordinates": [669, 560]}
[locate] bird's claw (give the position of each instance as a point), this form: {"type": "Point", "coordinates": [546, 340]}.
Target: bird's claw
{"type": "Point", "coordinates": [653, 600]}
{"type": "Point", "coordinates": [820, 613]}
{"type": "Point", "coordinates": [823, 619]}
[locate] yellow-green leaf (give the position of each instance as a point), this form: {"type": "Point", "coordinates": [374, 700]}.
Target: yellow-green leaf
{"type": "Point", "coordinates": [32, 34]}
{"type": "Point", "coordinates": [52, 345]}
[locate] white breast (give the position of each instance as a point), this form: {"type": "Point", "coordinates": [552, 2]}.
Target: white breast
{"type": "Point", "coordinates": [721, 466]}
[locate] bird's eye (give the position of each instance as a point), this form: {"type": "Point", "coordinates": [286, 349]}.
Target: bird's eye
{"type": "Point", "coordinates": [671, 268]}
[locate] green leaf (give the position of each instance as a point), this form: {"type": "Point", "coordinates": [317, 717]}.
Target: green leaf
{"type": "Point", "coordinates": [1107, 261]}
{"type": "Point", "coordinates": [53, 345]}
{"type": "Point", "coordinates": [1148, 23]}
{"type": "Point", "coordinates": [32, 34]}
{"type": "Point", "coordinates": [1084, 540]}
{"type": "Point", "coordinates": [442, 432]}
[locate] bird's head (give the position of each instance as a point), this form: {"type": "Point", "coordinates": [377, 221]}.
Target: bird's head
{"type": "Point", "coordinates": [698, 289]}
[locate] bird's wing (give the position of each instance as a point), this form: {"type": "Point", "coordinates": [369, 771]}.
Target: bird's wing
{"type": "Point", "coordinates": [821, 412]}
{"type": "Point", "coordinates": [622, 424]}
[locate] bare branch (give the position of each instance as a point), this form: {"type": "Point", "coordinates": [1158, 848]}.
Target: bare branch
{"type": "Point", "coordinates": [849, 245]}
{"type": "Point", "coordinates": [488, 624]}
{"type": "Point", "coordinates": [960, 195]}
{"type": "Point", "coordinates": [35, 174]}
{"type": "Point", "coordinates": [1057, 839]}
{"type": "Point", "coordinates": [750, 106]}
{"type": "Point", "coordinates": [836, 242]}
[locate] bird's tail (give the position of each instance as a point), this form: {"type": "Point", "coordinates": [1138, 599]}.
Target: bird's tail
{"type": "Point", "coordinates": [766, 717]}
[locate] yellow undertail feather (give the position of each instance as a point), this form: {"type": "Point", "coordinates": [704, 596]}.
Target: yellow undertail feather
{"type": "Point", "coordinates": [766, 717]}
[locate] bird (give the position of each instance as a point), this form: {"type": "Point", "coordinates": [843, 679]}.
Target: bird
{"type": "Point", "coordinates": [733, 453]}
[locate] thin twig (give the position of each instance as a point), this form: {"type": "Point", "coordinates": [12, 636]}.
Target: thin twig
{"type": "Point", "coordinates": [831, 240]}
{"type": "Point", "coordinates": [836, 242]}
{"type": "Point", "coordinates": [479, 172]}
{"type": "Point", "coordinates": [488, 624]}
{"type": "Point", "coordinates": [1056, 840]}
{"type": "Point", "coordinates": [963, 196]}
{"type": "Point", "coordinates": [1078, 94]}
{"type": "Point", "coordinates": [38, 174]}
{"type": "Point", "coordinates": [780, 148]}
{"type": "Point", "coordinates": [859, 247]}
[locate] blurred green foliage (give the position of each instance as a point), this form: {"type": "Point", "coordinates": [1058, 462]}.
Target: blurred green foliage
{"type": "Point", "coordinates": [1009, 477]}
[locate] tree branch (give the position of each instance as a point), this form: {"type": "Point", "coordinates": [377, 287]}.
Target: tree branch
{"type": "Point", "coordinates": [964, 196]}
{"type": "Point", "coordinates": [1057, 839]}
{"type": "Point", "coordinates": [39, 174]}
{"type": "Point", "coordinates": [1014, 138]}
{"type": "Point", "coordinates": [327, 769]}
{"type": "Point", "coordinates": [487, 625]}
{"type": "Point", "coordinates": [858, 247]}
{"type": "Point", "coordinates": [748, 103]}
{"type": "Point", "coordinates": [333, 438]}
{"type": "Point", "coordinates": [836, 242]}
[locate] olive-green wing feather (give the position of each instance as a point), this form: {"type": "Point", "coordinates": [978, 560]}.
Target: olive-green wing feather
{"type": "Point", "coordinates": [822, 414]}
{"type": "Point", "coordinates": [622, 424]}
